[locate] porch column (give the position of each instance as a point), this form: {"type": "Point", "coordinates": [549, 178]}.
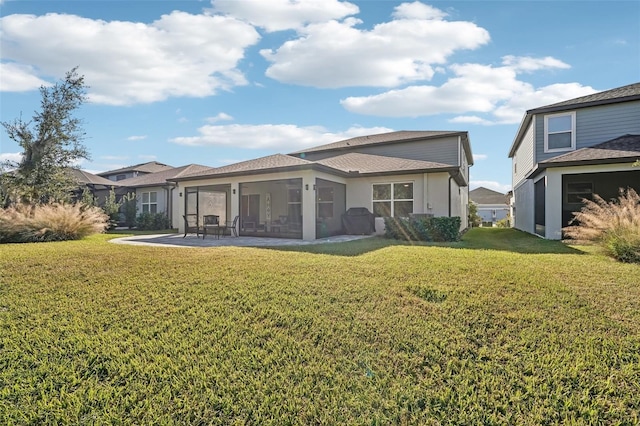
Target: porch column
{"type": "Point", "coordinates": [235, 201]}
{"type": "Point", "coordinates": [308, 208]}
{"type": "Point", "coordinates": [553, 205]}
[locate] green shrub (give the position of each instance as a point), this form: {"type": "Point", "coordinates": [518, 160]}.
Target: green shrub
{"type": "Point", "coordinates": [50, 222]}
{"type": "Point", "coordinates": [423, 228]}
{"type": "Point", "coordinates": [614, 225]}
{"type": "Point", "coordinates": [129, 209]}
{"type": "Point", "coordinates": [152, 221]}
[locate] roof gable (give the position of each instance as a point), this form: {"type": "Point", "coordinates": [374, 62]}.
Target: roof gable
{"type": "Point", "coordinates": [484, 195]}
{"type": "Point", "coordinates": [263, 164]}
{"type": "Point", "coordinates": [149, 167]}
{"type": "Point", "coordinates": [160, 178]}
{"type": "Point", "coordinates": [87, 178]}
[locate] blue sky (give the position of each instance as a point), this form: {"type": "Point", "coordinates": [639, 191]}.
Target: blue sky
{"type": "Point", "coordinates": [216, 82]}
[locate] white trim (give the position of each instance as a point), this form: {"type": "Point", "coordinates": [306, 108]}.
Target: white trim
{"type": "Point", "coordinates": [572, 114]}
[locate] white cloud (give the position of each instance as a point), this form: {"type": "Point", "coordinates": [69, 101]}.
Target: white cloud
{"type": "Point", "coordinates": [278, 15]}
{"type": "Point", "coordinates": [12, 157]}
{"type": "Point", "coordinates": [490, 184]}
{"type": "Point", "coordinates": [114, 157]}
{"type": "Point", "coordinates": [276, 137]}
{"type": "Point", "coordinates": [220, 117]}
{"type": "Point", "coordinates": [19, 78]}
{"type": "Point", "coordinates": [417, 10]}
{"type": "Point", "coordinates": [528, 64]}
{"type": "Point", "coordinates": [337, 54]}
{"type": "Point", "coordinates": [477, 157]}
{"type": "Point", "coordinates": [124, 63]}
{"type": "Point", "coordinates": [474, 88]}
{"type": "Point", "coordinates": [137, 138]}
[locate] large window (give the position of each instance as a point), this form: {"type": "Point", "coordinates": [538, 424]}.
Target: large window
{"type": "Point", "coordinates": [150, 202]}
{"type": "Point", "coordinates": [560, 132]}
{"type": "Point", "coordinates": [393, 199]}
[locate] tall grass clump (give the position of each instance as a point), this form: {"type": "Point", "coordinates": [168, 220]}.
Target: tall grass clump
{"type": "Point", "coordinates": [614, 225]}
{"type": "Point", "coordinates": [50, 222]}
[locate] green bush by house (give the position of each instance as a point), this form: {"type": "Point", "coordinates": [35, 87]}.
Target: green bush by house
{"type": "Point", "coordinates": [417, 228]}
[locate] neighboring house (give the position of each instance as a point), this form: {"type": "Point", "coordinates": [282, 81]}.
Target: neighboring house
{"type": "Point", "coordinates": [492, 205]}
{"type": "Point", "coordinates": [304, 194]}
{"type": "Point", "coordinates": [155, 194]}
{"type": "Point", "coordinates": [134, 171]}
{"type": "Point", "coordinates": [98, 185]}
{"type": "Point", "coordinates": [569, 151]}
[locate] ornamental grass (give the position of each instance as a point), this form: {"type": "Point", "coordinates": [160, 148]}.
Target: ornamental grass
{"type": "Point", "coordinates": [50, 222]}
{"type": "Point", "coordinates": [614, 225]}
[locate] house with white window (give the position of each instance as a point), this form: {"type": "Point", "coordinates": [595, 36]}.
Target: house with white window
{"type": "Point", "coordinates": [492, 205]}
{"type": "Point", "coordinates": [155, 193]}
{"type": "Point", "coordinates": [569, 151]}
{"type": "Point", "coordinates": [306, 193]}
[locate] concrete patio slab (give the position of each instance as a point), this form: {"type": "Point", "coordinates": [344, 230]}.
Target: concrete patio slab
{"type": "Point", "coordinates": [176, 240]}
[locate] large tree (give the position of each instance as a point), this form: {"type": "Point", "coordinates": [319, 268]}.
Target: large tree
{"type": "Point", "coordinates": [52, 144]}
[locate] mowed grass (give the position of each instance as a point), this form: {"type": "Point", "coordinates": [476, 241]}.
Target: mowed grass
{"type": "Point", "coordinates": [501, 328]}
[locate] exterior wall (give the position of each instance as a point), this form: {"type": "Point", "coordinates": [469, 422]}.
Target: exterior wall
{"type": "Point", "coordinates": [430, 194]}
{"type": "Point", "coordinates": [523, 160]}
{"type": "Point", "coordinates": [553, 199]}
{"type": "Point", "coordinates": [442, 150]}
{"type": "Point", "coordinates": [594, 125]}
{"type": "Point", "coordinates": [523, 218]}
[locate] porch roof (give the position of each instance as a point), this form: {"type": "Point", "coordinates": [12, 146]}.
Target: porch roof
{"type": "Point", "coordinates": [269, 164]}
{"type": "Point", "coordinates": [378, 164]}
{"type": "Point", "coordinates": [623, 149]}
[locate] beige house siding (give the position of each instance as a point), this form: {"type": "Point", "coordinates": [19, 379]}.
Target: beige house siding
{"type": "Point", "coordinates": [523, 161]}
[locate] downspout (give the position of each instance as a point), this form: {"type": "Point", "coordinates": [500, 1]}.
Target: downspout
{"type": "Point", "coordinates": [450, 177]}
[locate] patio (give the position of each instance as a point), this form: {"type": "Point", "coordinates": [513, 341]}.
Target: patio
{"type": "Point", "coordinates": [176, 240]}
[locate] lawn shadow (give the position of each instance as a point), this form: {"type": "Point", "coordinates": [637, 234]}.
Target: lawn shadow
{"type": "Point", "coordinates": [502, 239]}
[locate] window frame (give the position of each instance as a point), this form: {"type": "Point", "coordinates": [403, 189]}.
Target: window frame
{"type": "Point", "coordinates": [572, 115]}
{"type": "Point", "coordinates": [392, 200]}
{"type": "Point", "coordinates": [148, 203]}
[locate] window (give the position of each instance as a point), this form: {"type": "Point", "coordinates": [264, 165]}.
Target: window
{"type": "Point", "coordinates": [393, 199]}
{"type": "Point", "coordinates": [121, 177]}
{"type": "Point", "coordinates": [150, 202]}
{"type": "Point", "coordinates": [560, 132]}
{"type": "Point", "coordinates": [325, 202]}
{"type": "Point", "coordinates": [576, 192]}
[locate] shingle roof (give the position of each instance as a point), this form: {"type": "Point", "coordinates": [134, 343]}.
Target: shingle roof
{"type": "Point", "coordinates": [271, 162]}
{"type": "Point", "coordinates": [367, 164]}
{"type": "Point", "coordinates": [91, 179]}
{"type": "Point", "coordinates": [483, 195]}
{"type": "Point", "coordinates": [381, 138]}
{"type": "Point", "coordinates": [619, 94]}
{"type": "Point", "coordinates": [149, 167]}
{"type": "Point", "coordinates": [625, 147]}
{"type": "Point", "coordinates": [160, 178]}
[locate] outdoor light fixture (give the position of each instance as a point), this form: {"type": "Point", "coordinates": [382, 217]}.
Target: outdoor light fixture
{"type": "Point", "coordinates": [234, 190]}
{"type": "Point", "coordinates": [306, 186]}
{"type": "Point", "coordinates": [181, 194]}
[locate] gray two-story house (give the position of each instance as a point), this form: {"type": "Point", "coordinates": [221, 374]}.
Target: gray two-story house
{"type": "Point", "coordinates": [569, 151]}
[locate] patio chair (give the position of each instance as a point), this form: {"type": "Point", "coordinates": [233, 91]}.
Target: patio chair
{"type": "Point", "coordinates": [233, 226]}
{"type": "Point", "coordinates": [212, 222]}
{"type": "Point", "coordinates": [191, 225]}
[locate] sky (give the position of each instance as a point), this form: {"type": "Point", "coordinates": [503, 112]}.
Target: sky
{"type": "Point", "coordinates": [217, 82]}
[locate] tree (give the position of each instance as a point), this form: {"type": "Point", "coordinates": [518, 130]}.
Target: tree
{"type": "Point", "coordinates": [474, 218]}
{"type": "Point", "coordinates": [51, 144]}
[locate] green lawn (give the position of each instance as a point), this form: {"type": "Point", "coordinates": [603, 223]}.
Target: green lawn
{"type": "Point", "coordinates": [501, 328]}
